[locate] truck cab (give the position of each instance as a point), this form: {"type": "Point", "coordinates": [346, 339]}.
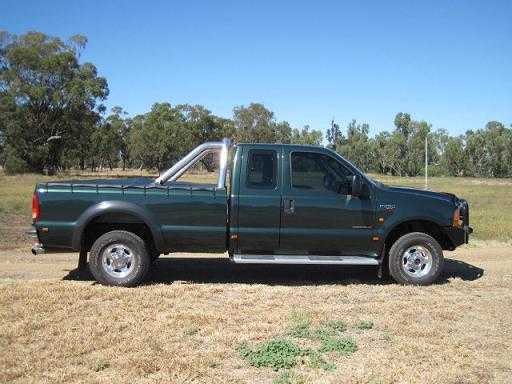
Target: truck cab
{"type": "Point", "coordinates": [271, 203]}
{"type": "Point", "coordinates": [298, 202]}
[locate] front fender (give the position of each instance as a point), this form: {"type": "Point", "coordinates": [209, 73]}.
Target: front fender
{"type": "Point", "coordinates": [392, 224]}
{"type": "Point", "coordinates": [116, 206]}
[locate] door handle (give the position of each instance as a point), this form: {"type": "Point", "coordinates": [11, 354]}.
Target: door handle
{"type": "Point", "coordinates": [289, 206]}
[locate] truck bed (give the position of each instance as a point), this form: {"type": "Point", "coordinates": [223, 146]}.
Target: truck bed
{"type": "Point", "coordinates": [186, 215]}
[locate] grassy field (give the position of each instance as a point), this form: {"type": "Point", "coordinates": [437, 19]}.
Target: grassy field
{"type": "Point", "coordinates": [203, 319]}
{"type": "Point", "coordinates": [490, 202]}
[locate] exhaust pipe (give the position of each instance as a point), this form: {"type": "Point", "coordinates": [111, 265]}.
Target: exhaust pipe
{"type": "Point", "coordinates": [37, 249]}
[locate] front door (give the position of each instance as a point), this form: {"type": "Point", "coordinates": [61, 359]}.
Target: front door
{"type": "Point", "coordinates": [319, 215]}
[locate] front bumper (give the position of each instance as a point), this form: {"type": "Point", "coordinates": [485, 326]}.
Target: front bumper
{"type": "Point", "coordinates": [458, 236]}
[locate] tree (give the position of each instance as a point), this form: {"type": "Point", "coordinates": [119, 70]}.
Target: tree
{"type": "Point", "coordinates": [358, 148]}
{"type": "Point", "coordinates": [256, 124]}
{"type": "Point", "coordinates": [498, 141]}
{"type": "Point", "coordinates": [106, 145]}
{"type": "Point", "coordinates": [334, 136]}
{"type": "Point", "coordinates": [204, 127]}
{"type": "Point", "coordinates": [121, 126]}
{"type": "Point", "coordinates": [454, 158]}
{"type": "Point", "coordinates": [306, 136]}
{"type": "Point", "coordinates": [46, 94]}
{"type": "Point", "coordinates": [403, 123]}
{"type": "Point", "coordinates": [160, 137]}
{"type": "Point", "coordinates": [414, 156]}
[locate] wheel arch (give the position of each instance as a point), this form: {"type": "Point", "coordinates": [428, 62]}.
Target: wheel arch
{"type": "Point", "coordinates": [117, 209]}
{"type": "Point", "coordinates": [425, 225]}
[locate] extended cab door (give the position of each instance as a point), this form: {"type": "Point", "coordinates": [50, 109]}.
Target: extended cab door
{"type": "Point", "coordinates": [319, 215]}
{"type": "Point", "coordinates": [259, 199]}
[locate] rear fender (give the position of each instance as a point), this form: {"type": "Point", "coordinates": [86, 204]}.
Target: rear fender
{"type": "Point", "coordinates": [116, 207]}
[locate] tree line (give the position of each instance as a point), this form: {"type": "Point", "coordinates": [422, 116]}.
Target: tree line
{"type": "Point", "coordinates": [52, 118]}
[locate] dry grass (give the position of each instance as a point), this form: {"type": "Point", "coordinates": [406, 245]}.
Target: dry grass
{"type": "Point", "coordinates": [185, 324]}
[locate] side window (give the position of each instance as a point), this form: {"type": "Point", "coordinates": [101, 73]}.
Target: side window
{"type": "Point", "coordinates": [262, 169]}
{"type": "Point", "coordinates": [319, 173]}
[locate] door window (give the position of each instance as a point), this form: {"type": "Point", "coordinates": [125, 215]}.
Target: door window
{"type": "Point", "coordinates": [319, 173]}
{"type": "Point", "coordinates": [262, 169]}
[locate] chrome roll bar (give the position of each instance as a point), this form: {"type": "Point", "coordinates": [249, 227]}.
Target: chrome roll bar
{"type": "Point", "coordinates": [194, 156]}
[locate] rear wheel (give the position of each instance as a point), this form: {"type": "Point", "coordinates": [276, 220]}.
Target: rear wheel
{"type": "Point", "coordinates": [416, 258]}
{"type": "Point", "coordinates": [119, 258]}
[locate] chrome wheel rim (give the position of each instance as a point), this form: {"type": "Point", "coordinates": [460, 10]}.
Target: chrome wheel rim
{"type": "Point", "coordinates": [417, 261]}
{"type": "Point", "coordinates": [117, 260]}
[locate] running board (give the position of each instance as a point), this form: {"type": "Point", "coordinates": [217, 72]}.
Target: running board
{"type": "Point", "coordinates": [304, 259]}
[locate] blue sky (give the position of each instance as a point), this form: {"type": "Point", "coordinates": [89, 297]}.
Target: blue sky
{"type": "Point", "coordinates": [448, 62]}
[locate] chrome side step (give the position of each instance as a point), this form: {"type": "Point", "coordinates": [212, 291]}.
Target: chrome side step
{"type": "Point", "coordinates": [304, 259]}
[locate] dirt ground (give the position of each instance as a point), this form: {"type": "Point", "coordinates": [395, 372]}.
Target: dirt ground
{"type": "Point", "coordinates": [184, 325]}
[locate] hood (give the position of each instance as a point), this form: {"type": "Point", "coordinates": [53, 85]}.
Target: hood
{"type": "Point", "coordinates": [449, 197]}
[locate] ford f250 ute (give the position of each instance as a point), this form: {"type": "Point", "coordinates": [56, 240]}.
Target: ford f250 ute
{"type": "Point", "coordinates": [272, 203]}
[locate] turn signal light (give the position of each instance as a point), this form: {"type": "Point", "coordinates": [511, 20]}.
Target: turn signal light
{"type": "Point", "coordinates": [35, 207]}
{"type": "Point", "coordinates": [456, 220]}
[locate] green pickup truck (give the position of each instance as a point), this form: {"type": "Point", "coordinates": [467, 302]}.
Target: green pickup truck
{"type": "Point", "coordinates": [271, 203]}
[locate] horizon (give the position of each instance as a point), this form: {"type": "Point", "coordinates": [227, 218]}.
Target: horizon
{"type": "Point", "coordinates": [447, 64]}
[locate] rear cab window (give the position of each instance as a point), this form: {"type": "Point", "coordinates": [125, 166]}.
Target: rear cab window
{"type": "Point", "coordinates": [261, 169]}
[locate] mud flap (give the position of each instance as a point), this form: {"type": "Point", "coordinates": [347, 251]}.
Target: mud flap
{"type": "Point", "coordinates": [82, 260]}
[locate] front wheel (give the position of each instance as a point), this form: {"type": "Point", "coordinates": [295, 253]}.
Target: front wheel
{"type": "Point", "coordinates": [416, 258]}
{"type": "Point", "coordinates": [119, 258]}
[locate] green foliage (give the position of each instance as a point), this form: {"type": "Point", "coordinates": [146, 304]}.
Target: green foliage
{"type": "Point", "coordinates": [299, 325]}
{"type": "Point", "coordinates": [317, 361]}
{"type": "Point", "coordinates": [484, 152]}
{"type": "Point", "coordinates": [159, 138]}
{"type": "Point", "coordinates": [357, 146]}
{"type": "Point", "coordinates": [274, 353]}
{"type": "Point", "coordinates": [105, 142]}
{"type": "Point", "coordinates": [256, 124]}
{"type": "Point", "coordinates": [330, 328]}
{"type": "Point", "coordinates": [282, 353]}
{"type": "Point", "coordinates": [364, 324]}
{"type": "Point", "coordinates": [13, 164]}
{"type": "Point", "coordinates": [342, 345]}
{"type": "Point", "coordinates": [306, 136]}
{"type": "Point", "coordinates": [489, 151]}
{"type": "Point", "coordinates": [46, 96]}
{"type": "Point", "coordinates": [288, 377]}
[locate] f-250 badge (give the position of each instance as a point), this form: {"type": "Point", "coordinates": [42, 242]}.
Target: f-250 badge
{"type": "Point", "coordinates": [387, 207]}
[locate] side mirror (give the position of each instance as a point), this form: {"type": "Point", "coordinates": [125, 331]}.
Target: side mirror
{"type": "Point", "coordinates": [357, 185]}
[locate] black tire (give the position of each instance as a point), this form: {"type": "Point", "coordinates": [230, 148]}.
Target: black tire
{"type": "Point", "coordinates": [397, 259]}
{"type": "Point", "coordinates": [135, 248]}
